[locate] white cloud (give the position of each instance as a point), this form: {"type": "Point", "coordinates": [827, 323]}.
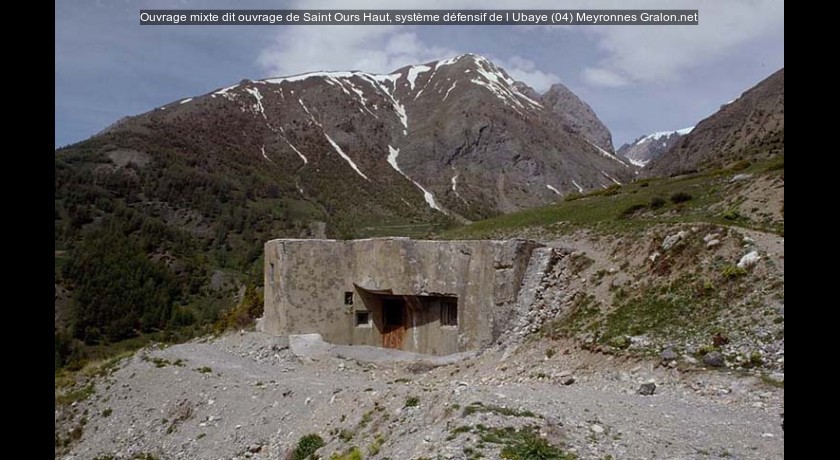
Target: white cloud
{"type": "Point", "coordinates": [375, 48]}
{"type": "Point", "coordinates": [370, 48]}
{"type": "Point", "coordinates": [597, 76]}
{"type": "Point", "coordinates": [661, 53]}
{"type": "Point", "coordinates": [525, 70]}
{"type": "Point", "coordinates": [625, 54]}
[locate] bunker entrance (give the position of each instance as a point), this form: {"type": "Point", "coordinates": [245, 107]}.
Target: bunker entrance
{"type": "Point", "coordinates": [420, 319]}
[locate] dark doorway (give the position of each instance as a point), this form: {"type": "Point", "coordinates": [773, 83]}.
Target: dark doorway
{"type": "Point", "coordinates": [393, 322]}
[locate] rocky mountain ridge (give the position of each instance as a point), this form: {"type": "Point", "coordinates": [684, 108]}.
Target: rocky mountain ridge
{"type": "Point", "coordinates": [752, 127]}
{"type": "Point", "coordinates": [646, 148]}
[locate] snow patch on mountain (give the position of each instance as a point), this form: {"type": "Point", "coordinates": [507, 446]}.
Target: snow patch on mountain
{"type": "Point", "coordinates": [262, 149]}
{"type": "Point", "coordinates": [608, 154]}
{"type": "Point", "coordinates": [500, 85]}
{"type": "Point", "coordinates": [414, 71]}
{"type": "Point", "coordinates": [660, 134]}
{"type": "Point", "coordinates": [258, 106]}
{"type": "Point", "coordinates": [450, 90]}
{"type": "Point", "coordinates": [611, 178]}
{"type": "Point", "coordinates": [427, 195]}
{"type": "Point", "coordinates": [344, 155]}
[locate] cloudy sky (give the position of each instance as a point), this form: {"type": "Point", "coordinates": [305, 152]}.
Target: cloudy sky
{"type": "Point", "coordinates": [639, 79]}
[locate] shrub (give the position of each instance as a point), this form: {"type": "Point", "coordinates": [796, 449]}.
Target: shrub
{"type": "Point", "coordinates": [532, 446]}
{"type": "Point", "coordinates": [657, 202]}
{"type": "Point", "coordinates": [413, 401]}
{"type": "Point", "coordinates": [353, 454]}
{"type": "Point", "coordinates": [307, 445]}
{"type": "Point", "coordinates": [244, 314]}
{"type": "Point", "coordinates": [620, 342]}
{"type": "Point", "coordinates": [611, 190]}
{"type": "Point", "coordinates": [731, 271]}
{"type": "Point", "coordinates": [478, 407]}
{"type": "Point", "coordinates": [680, 197]}
{"type": "Point", "coordinates": [632, 209]}
{"type": "Point", "coordinates": [74, 395]}
{"type": "Point", "coordinates": [376, 445]}
{"type": "Point", "coordinates": [731, 214]}
{"type": "Point", "coordinates": [741, 165]}
{"type": "Point", "coordinates": [573, 196]}
{"type": "Point", "coordinates": [345, 435]}
{"type": "Point", "coordinates": [777, 165]}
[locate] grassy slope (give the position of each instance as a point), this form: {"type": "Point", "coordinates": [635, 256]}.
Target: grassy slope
{"type": "Point", "coordinates": [602, 210]}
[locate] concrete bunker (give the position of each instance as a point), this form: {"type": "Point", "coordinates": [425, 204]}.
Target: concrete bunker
{"type": "Point", "coordinates": [432, 297]}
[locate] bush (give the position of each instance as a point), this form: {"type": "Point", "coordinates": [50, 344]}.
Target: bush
{"type": "Point", "coordinates": [778, 164]}
{"type": "Point", "coordinates": [244, 314]}
{"type": "Point", "coordinates": [731, 214]}
{"type": "Point", "coordinates": [732, 271]}
{"type": "Point", "coordinates": [680, 197]}
{"type": "Point", "coordinates": [657, 202]}
{"type": "Point", "coordinates": [632, 209]}
{"type": "Point", "coordinates": [353, 454]}
{"type": "Point", "coordinates": [307, 445]}
{"type": "Point", "coordinates": [573, 196]}
{"type": "Point", "coordinates": [413, 401]}
{"type": "Point", "coordinates": [611, 190]}
{"type": "Point", "coordinates": [527, 444]}
{"type": "Point", "coordinates": [620, 342]}
{"type": "Point", "coordinates": [741, 165]}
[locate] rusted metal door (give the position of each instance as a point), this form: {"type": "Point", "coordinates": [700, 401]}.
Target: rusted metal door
{"type": "Point", "coordinates": [393, 323]}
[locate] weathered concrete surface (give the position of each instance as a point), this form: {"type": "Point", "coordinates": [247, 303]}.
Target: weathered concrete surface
{"type": "Point", "coordinates": [313, 346]}
{"type": "Point", "coordinates": [306, 282]}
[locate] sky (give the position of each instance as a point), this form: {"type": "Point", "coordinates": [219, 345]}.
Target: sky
{"type": "Point", "coordinates": [638, 79]}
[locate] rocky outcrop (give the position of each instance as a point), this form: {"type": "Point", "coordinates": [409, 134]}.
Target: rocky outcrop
{"type": "Point", "coordinates": [577, 116]}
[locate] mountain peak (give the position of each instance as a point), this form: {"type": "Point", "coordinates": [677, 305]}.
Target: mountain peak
{"type": "Point", "coordinates": [649, 147]}
{"type": "Point", "coordinates": [577, 115]}
{"type": "Point", "coordinates": [433, 133]}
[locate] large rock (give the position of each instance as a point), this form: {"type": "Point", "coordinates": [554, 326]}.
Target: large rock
{"type": "Point", "coordinates": [647, 389]}
{"type": "Point", "coordinates": [749, 259]}
{"type": "Point", "coordinates": [714, 359]}
{"type": "Point", "coordinates": [672, 240]}
{"type": "Point", "coordinates": [668, 354]}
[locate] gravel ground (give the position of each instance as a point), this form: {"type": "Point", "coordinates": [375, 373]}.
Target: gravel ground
{"type": "Point", "coordinates": [247, 395]}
